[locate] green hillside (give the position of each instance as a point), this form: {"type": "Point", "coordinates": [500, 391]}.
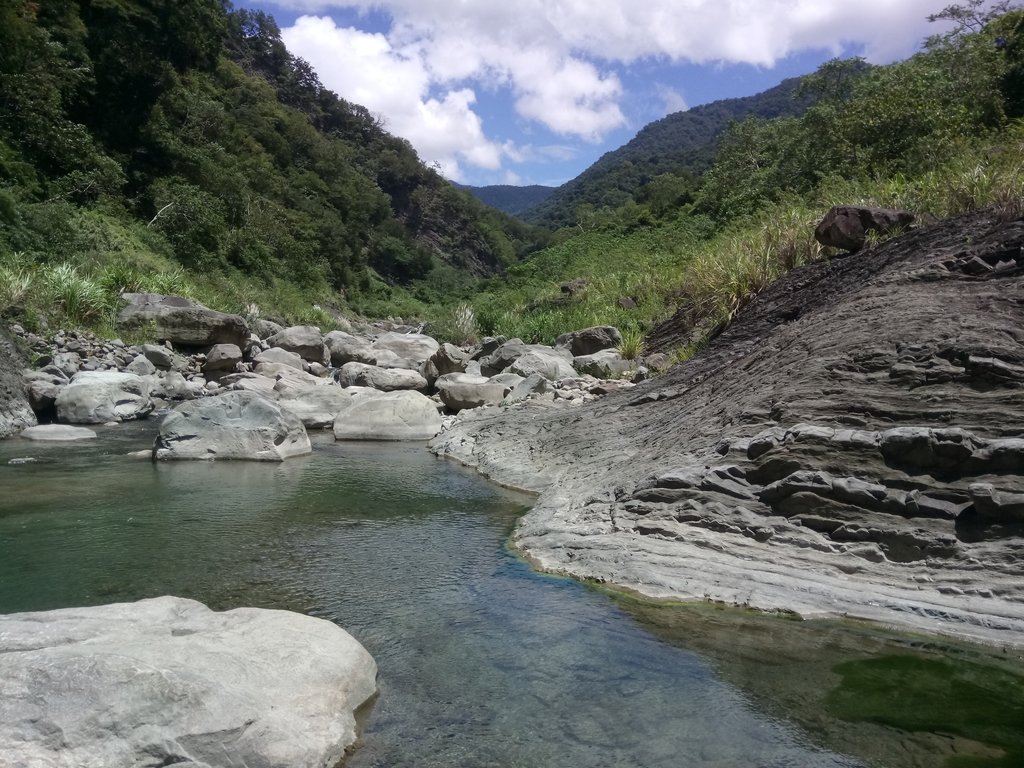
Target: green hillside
{"type": "Point", "coordinates": [174, 137]}
{"type": "Point", "coordinates": [681, 145]}
{"type": "Point", "coordinates": [512, 200]}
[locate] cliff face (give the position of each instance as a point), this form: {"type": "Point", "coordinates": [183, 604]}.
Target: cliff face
{"type": "Point", "coordinates": [15, 412]}
{"type": "Point", "coordinates": [853, 444]}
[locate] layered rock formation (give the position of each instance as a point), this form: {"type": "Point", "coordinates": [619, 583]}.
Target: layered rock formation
{"type": "Point", "coordinates": [853, 444]}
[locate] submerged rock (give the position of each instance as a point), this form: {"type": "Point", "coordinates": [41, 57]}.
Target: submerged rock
{"type": "Point", "coordinates": [167, 681]}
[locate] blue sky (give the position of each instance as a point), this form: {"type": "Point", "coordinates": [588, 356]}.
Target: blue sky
{"type": "Point", "coordinates": [534, 91]}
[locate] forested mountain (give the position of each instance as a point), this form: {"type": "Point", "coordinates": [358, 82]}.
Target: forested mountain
{"type": "Point", "coordinates": [510, 199]}
{"type": "Point", "coordinates": [681, 144]}
{"type": "Point", "coordinates": [184, 130]}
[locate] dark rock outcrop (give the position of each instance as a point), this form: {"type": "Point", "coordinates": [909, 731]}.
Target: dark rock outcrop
{"type": "Point", "coordinates": [852, 444]}
{"type": "Point", "coordinates": [848, 226]}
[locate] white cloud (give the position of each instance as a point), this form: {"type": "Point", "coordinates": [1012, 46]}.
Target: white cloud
{"type": "Point", "coordinates": [671, 99]}
{"type": "Point", "coordinates": [560, 59]}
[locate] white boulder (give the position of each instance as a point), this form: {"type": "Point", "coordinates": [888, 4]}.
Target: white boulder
{"type": "Point", "coordinates": [401, 415]}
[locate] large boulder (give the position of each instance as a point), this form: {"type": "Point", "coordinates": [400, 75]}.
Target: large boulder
{"type": "Point", "coordinates": [167, 681]}
{"type": "Point", "coordinates": [222, 357]}
{"type": "Point", "coordinates": [417, 348]}
{"type": "Point", "coordinates": [400, 415]}
{"type": "Point", "coordinates": [345, 348]}
{"type": "Point", "coordinates": [280, 355]}
{"type": "Point", "coordinates": [587, 341]}
{"type": "Point", "coordinates": [182, 321]}
{"type": "Point", "coordinates": [306, 341]}
{"type": "Point", "coordinates": [96, 397]}
{"type": "Point", "coordinates": [460, 391]}
{"type": "Point", "coordinates": [235, 425]}
{"type": "Point", "coordinates": [545, 361]}
{"type": "Point", "coordinates": [384, 379]}
{"type": "Point", "coordinates": [847, 226]}
{"type": "Point", "coordinates": [605, 364]}
{"type": "Point", "coordinates": [502, 357]}
{"type": "Point", "coordinates": [58, 433]}
{"type": "Point", "coordinates": [316, 406]}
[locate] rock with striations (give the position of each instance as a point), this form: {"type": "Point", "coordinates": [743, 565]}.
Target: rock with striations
{"type": "Point", "coordinates": [96, 397]}
{"type": "Point", "coordinates": [852, 444]}
{"type": "Point", "coordinates": [459, 391]}
{"type": "Point", "coordinates": [847, 226]}
{"type": "Point", "coordinates": [167, 681]}
{"type": "Point", "coordinates": [235, 425]}
{"type": "Point", "coordinates": [306, 341]}
{"type": "Point", "coordinates": [15, 410]}
{"type": "Point", "coordinates": [384, 379]}
{"type": "Point", "coordinates": [587, 341]}
{"type": "Point", "coordinates": [401, 415]}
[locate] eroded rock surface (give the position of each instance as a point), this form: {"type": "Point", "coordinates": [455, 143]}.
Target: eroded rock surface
{"type": "Point", "coordinates": [853, 444]}
{"type": "Point", "coordinates": [167, 681]}
{"type": "Point", "coordinates": [235, 425]}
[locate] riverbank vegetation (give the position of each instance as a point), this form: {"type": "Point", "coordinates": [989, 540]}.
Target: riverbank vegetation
{"type": "Point", "coordinates": [217, 166]}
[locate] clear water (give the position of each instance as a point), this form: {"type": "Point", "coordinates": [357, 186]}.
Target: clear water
{"type": "Point", "coordinates": [482, 662]}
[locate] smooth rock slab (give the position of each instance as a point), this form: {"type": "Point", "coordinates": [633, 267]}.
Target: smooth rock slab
{"type": "Point", "coordinates": [168, 681]}
{"type": "Point", "coordinates": [57, 433]}
{"type": "Point", "coordinates": [235, 425]}
{"type": "Point", "coordinates": [385, 379]}
{"type": "Point", "coordinates": [401, 415]}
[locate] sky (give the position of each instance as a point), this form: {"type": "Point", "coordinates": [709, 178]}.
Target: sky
{"type": "Point", "coordinates": [535, 91]}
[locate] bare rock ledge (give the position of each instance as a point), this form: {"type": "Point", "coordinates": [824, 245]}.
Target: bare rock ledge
{"type": "Point", "coordinates": [852, 445]}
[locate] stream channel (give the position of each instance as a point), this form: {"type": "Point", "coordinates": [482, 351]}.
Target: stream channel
{"type": "Point", "coordinates": [482, 661]}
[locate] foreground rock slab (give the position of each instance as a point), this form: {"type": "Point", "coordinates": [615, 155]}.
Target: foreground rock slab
{"type": "Point", "coordinates": [235, 425]}
{"type": "Point", "coordinates": [167, 681]}
{"type": "Point", "coordinates": [852, 445]}
{"type": "Point", "coordinates": [58, 433]}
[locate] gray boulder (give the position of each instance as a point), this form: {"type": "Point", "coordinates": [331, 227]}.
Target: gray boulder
{"type": "Point", "coordinates": [526, 388]}
{"type": "Point", "coordinates": [345, 348]}
{"type": "Point", "coordinates": [280, 355]}
{"type": "Point", "coordinates": [417, 348]}
{"type": "Point", "coordinates": [460, 391]}
{"type": "Point", "coordinates": [140, 366]}
{"type": "Point", "coordinates": [96, 397]}
{"type": "Point", "coordinates": [164, 358]}
{"type": "Point", "coordinates": [264, 329]}
{"type": "Point", "coordinates": [384, 379]}
{"type": "Point", "coordinates": [847, 226]}
{"type": "Point", "coordinates": [587, 341]}
{"type": "Point", "coordinates": [502, 357]}
{"type": "Point", "coordinates": [544, 361]}
{"type": "Point", "coordinates": [167, 681]}
{"type": "Point", "coordinates": [222, 357]}
{"type": "Point", "coordinates": [306, 341]}
{"type": "Point", "coordinates": [317, 407]}
{"type": "Point", "coordinates": [447, 359]}
{"type": "Point", "coordinates": [235, 425]}
{"type": "Point", "coordinates": [182, 321]}
{"type": "Point", "coordinates": [605, 364]}
{"type": "Point", "coordinates": [285, 372]}
{"type": "Point", "coordinates": [402, 415]}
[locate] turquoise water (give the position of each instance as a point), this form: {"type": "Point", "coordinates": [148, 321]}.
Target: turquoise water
{"type": "Point", "coordinates": [482, 661]}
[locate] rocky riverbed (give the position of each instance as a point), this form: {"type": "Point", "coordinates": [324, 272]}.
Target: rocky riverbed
{"type": "Point", "coordinates": [853, 444]}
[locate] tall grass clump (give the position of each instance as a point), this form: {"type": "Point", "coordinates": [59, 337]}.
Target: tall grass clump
{"type": "Point", "coordinates": [456, 325]}
{"type": "Point", "coordinates": [79, 298]}
{"type": "Point", "coordinates": [730, 271]}
{"type": "Point", "coordinates": [16, 279]}
{"type": "Point", "coordinates": [632, 344]}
